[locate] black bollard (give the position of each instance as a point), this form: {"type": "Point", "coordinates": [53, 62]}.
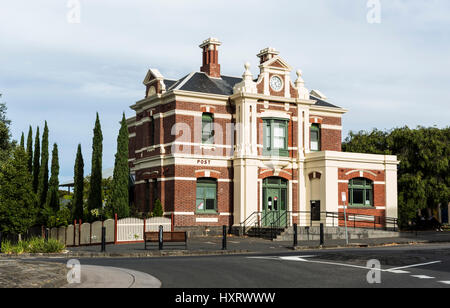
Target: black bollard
{"type": "Point", "coordinates": [224, 240]}
{"type": "Point", "coordinates": [103, 239]}
{"type": "Point", "coordinates": [160, 237]}
{"type": "Point", "coordinates": [321, 235]}
{"type": "Point", "coordinates": [295, 235]}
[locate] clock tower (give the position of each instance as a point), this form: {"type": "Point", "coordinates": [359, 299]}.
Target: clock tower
{"type": "Point", "coordinates": [274, 78]}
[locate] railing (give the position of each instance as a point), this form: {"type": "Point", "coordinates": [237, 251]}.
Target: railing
{"type": "Point", "coordinates": [272, 221]}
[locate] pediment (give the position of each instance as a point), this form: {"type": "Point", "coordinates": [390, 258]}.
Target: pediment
{"type": "Point", "coordinates": [152, 74]}
{"type": "Point", "coordinates": [278, 63]}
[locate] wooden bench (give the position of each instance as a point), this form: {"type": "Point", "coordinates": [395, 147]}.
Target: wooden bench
{"type": "Point", "coordinates": [168, 237]}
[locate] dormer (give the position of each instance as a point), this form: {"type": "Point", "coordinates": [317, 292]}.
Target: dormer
{"type": "Point", "coordinates": [154, 83]}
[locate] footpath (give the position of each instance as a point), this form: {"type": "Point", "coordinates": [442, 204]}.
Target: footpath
{"type": "Point", "coordinates": [29, 271]}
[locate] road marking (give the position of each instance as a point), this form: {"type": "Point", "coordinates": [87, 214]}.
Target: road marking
{"type": "Point", "coordinates": [445, 282]}
{"type": "Point", "coordinates": [422, 276]}
{"type": "Point", "coordinates": [397, 271]}
{"type": "Point", "coordinates": [414, 265]}
{"type": "Point", "coordinates": [301, 259]}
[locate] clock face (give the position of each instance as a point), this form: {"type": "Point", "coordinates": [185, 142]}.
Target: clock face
{"type": "Point", "coordinates": [275, 83]}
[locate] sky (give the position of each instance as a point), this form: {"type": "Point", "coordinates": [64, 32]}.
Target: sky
{"type": "Point", "coordinates": [390, 73]}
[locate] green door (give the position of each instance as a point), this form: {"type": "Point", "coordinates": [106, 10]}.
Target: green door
{"type": "Point", "coordinates": [274, 202]}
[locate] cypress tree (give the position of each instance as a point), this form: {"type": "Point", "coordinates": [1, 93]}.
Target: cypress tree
{"type": "Point", "coordinates": [36, 164]}
{"type": "Point", "coordinates": [43, 171]}
{"type": "Point", "coordinates": [30, 150]}
{"type": "Point", "coordinates": [95, 187]}
{"type": "Point", "coordinates": [22, 141]}
{"type": "Point", "coordinates": [17, 199]}
{"type": "Point", "coordinates": [119, 198]}
{"type": "Point", "coordinates": [78, 185]}
{"type": "Point", "coordinates": [53, 190]}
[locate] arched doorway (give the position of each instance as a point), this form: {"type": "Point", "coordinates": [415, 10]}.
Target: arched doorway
{"type": "Point", "coordinates": [274, 207]}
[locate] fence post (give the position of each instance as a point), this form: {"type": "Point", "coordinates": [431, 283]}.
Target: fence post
{"type": "Point", "coordinates": [172, 228]}
{"type": "Point", "coordinates": [321, 235]}
{"type": "Point", "coordinates": [115, 228]}
{"type": "Point", "coordinates": [79, 232]}
{"type": "Point", "coordinates": [103, 239]}
{"type": "Point", "coordinates": [295, 235]}
{"type": "Point", "coordinates": [46, 235]}
{"type": "Point", "coordinates": [224, 240]}
{"type": "Point", "coordinates": [160, 238]}
{"type": "Point", "coordinates": [1, 241]}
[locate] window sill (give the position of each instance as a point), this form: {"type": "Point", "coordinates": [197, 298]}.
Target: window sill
{"type": "Point", "coordinates": [211, 212]}
{"type": "Point", "coordinates": [361, 207]}
{"type": "Point", "coordinates": [207, 147]}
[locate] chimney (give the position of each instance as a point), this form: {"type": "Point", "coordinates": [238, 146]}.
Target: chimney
{"type": "Point", "coordinates": [211, 64]}
{"type": "Point", "coordinates": [267, 54]}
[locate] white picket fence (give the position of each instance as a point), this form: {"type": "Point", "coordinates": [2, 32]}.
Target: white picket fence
{"type": "Point", "coordinates": [132, 229]}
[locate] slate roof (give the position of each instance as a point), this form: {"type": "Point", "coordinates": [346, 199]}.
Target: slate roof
{"type": "Point", "coordinates": [321, 102]}
{"type": "Point", "coordinates": [200, 82]}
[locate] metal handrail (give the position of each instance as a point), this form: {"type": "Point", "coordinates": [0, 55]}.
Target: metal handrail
{"type": "Point", "coordinates": [354, 220]}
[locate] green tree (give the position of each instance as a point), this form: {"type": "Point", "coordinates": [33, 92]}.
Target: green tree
{"type": "Point", "coordinates": [423, 172]}
{"type": "Point", "coordinates": [78, 189]}
{"type": "Point", "coordinates": [3, 117]}
{"type": "Point", "coordinates": [95, 192]}
{"type": "Point", "coordinates": [119, 202]}
{"type": "Point", "coordinates": [5, 136]}
{"type": "Point", "coordinates": [53, 190]}
{"type": "Point", "coordinates": [43, 171]}
{"type": "Point", "coordinates": [5, 144]}
{"type": "Point", "coordinates": [22, 141]}
{"type": "Point", "coordinates": [36, 163]}
{"type": "Point", "coordinates": [158, 209]}
{"type": "Point", "coordinates": [17, 199]}
{"type": "Point", "coordinates": [30, 149]}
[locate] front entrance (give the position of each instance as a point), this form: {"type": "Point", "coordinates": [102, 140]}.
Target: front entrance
{"type": "Point", "coordinates": [274, 202]}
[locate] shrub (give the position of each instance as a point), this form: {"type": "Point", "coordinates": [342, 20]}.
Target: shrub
{"type": "Point", "coordinates": [34, 245]}
{"type": "Point", "coordinates": [157, 209]}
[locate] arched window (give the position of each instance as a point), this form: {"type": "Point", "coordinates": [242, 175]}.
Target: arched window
{"type": "Point", "coordinates": [360, 192]}
{"type": "Point", "coordinates": [206, 199]}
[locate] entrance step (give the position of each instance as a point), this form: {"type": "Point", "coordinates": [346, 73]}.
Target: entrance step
{"type": "Point", "coordinates": [266, 233]}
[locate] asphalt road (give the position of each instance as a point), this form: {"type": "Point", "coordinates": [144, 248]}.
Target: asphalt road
{"type": "Point", "coordinates": [425, 266]}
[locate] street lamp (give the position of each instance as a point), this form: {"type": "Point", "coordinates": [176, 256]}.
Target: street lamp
{"type": "Point", "coordinates": [344, 198]}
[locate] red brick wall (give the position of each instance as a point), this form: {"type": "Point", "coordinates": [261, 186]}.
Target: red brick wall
{"type": "Point", "coordinates": [379, 196]}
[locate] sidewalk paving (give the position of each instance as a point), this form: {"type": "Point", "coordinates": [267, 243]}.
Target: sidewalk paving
{"type": "Point", "coordinates": [202, 246]}
{"type": "Point", "coordinates": [113, 277]}
{"type": "Point", "coordinates": [26, 274]}
{"type": "Point", "coordinates": [236, 245]}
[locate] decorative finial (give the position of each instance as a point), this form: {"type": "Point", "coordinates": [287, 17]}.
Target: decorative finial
{"type": "Point", "coordinates": [247, 66]}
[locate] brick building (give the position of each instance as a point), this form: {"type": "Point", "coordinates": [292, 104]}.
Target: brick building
{"type": "Point", "coordinates": [220, 150]}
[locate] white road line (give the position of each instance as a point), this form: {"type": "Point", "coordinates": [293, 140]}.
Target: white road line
{"type": "Point", "coordinates": [422, 276]}
{"type": "Point", "coordinates": [415, 265]}
{"type": "Point", "coordinates": [398, 271]}
{"type": "Point", "coordinates": [300, 259]}
{"type": "Point", "coordinates": [445, 282]}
